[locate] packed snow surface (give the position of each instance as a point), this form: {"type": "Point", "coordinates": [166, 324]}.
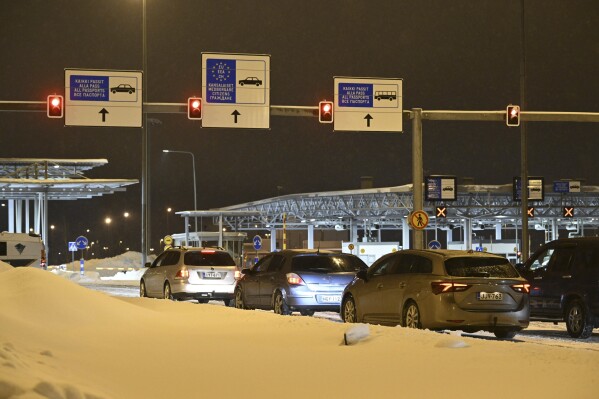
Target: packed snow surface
{"type": "Point", "coordinates": [59, 339]}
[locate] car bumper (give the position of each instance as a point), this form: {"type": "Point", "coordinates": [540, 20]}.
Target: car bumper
{"type": "Point", "coordinates": [447, 315]}
{"type": "Point", "coordinates": [183, 290]}
{"type": "Point", "coordinates": [321, 301]}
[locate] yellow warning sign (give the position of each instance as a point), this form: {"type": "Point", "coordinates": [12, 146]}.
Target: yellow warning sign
{"type": "Point", "coordinates": [418, 220]}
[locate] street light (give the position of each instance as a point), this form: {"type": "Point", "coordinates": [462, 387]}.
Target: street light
{"type": "Point", "coordinates": [193, 165]}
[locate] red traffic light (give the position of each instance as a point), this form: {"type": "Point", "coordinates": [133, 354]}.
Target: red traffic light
{"type": "Point", "coordinates": [512, 117]}
{"type": "Point", "coordinates": [325, 112]}
{"type": "Point", "coordinates": [55, 106]}
{"type": "Point", "coordinates": [194, 108]}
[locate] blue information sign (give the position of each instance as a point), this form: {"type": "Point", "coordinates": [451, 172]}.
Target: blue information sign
{"type": "Point", "coordinates": [257, 242]}
{"type": "Point", "coordinates": [434, 244]}
{"type": "Point", "coordinates": [221, 80]}
{"type": "Point", "coordinates": [89, 88]}
{"type": "Point", "coordinates": [561, 186]}
{"type": "Point", "coordinates": [355, 95]}
{"type": "Point", "coordinates": [81, 242]}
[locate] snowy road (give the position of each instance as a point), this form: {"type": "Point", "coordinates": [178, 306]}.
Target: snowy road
{"type": "Point", "coordinates": [537, 333]}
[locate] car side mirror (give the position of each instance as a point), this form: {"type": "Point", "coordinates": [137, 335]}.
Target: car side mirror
{"type": "Point", "coordinates": [362, 274]}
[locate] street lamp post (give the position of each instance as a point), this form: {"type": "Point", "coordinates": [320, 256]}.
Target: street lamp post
{"type": "Point", "coordinates": [195, 198]}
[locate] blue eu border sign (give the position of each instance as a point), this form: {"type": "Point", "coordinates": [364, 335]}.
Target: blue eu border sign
{"type": "Point", "coordinates": [221, 77]}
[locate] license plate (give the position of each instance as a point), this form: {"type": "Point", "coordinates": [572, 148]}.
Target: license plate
{"type": "Point", "coordinates": [490, 296]}
{"type": "Point", "coordinates": [330, 298]}
{"type": "Point", "coordinates": [212, 275]}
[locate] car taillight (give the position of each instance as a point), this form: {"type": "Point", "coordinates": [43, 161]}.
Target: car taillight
{"type": "Point", "coordinates": [448, 286]}
{"type": "Point", "coordinates": [182, 274]}
{"type": "Point", "coordinates": [208, 251]}
{"type": "Point", "coordinates": [523, 288]}
{"type": "Point", "coordinates": [294, 279]}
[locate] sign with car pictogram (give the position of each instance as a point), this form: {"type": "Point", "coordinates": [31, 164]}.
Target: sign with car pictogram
{"type": "Point", "coordinates": [418, 220]}
{"type": "Point", "coordinates": [368, 104]}
{"type": "Point", "coordinates": [438, 188]}
{"type": "Point", "coordinates": [236, 90]}
{"type": "Point", "coordinates": [103, 98]}
{"type": "Point", "coordinates": [536, 189]}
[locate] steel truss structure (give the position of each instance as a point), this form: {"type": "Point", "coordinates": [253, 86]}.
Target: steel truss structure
{"type": "Point", "coordinates": [389, 207]}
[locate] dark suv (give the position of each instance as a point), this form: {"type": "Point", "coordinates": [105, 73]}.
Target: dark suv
{"type": "Point", "coordinates": [564, 278]}
{"type": "Point", "coordinates": [303, 280]}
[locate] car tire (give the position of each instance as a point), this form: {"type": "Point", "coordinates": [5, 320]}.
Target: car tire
{"type": "Point", "coordinates": [279, 305]}
{"type": "Point", "coordinates": [505, 333]}
{"type": "Point", "coordinates": [239, 304]}
{"type": "Point", "coordinates": [348, 310]}
{"type": "Point", "coordinates": [240, 83]}
{"type": "Point", "coordinates": [227, 302]}
{"type": "Point", "coordinates": [578, 319]}
{"type": "Point", "coordinates": [203, 300]}
{"type": "Point", "coordinates": [307, 312]}
{"type": "Point", "coordinates": [142, 289]}
{"type": "Point", "coordinates": [167, 293]}
{"type": "Point", "coordinates": [114, 92]}
{"type": "Point", "coordinates": [411, 315]}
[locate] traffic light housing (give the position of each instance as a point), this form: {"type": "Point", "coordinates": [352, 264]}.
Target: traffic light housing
{"type": "Point", "coordinates": [55, 106]}
{"type": "Point", "coordinates": [325, 112]}
{"type": "Point", "coordinates": [512, 115]}
{"type": "Point", "coordinates": [194, 108]}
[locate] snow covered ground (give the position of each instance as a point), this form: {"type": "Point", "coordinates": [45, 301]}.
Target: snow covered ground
{"type": "Point", "coordinates": [61, 340]}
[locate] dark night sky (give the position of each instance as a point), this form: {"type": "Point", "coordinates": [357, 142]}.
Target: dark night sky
{"type": "Point", "coordinates": [462, 55]}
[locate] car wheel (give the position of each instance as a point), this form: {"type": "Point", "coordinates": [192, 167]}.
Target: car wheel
{"type": "Point", "coordinates": [142, 289]}
{"type": "Point", "coordinates": [227, 302]}
{"type": "Point", "coordinates": [505, 334]}
{"type": "Point", "coordinates": [307, 312]}
{"type": "Point", "coordinates": [348, 313]}
{"type": "Point", "coordinates": [239, 299]}
{"type": "Point", "coordinates": [578, 320]}
{"type": "Point", "coordinates": [257, 84]}
{"type": "Point", "coordinates": [279, 305]}
{"type": "Point", "coordinates": [411, 316]}
{"type": "Point", "coordinates": [241, 84]}
{"type": "Point", "coordinates": [130, 92]}
{"type": "Point", "coordinates": [114, 92]}
{"type": "Point", "coordinates": [203, 300]}
{"type": "Point", "coordinates": [167, 294]}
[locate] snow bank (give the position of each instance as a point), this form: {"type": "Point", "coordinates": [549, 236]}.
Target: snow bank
{"type": "Point", "coordinates": [61, 340]}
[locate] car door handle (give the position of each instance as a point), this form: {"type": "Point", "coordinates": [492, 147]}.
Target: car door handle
{"type": "Point", "coordinates": [568, 276]}
{"type": "Point", "coordinates": [379, 285]}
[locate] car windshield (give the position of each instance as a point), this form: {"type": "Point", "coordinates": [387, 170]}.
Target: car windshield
{"type": "Point", "coordinates": [480, 267]}
{"type": "Point", "coordinates": [326, 263]}
{"type": "Point", "coordinates": [208, 258]}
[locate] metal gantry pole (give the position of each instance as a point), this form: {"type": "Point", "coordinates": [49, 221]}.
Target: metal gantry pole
{"type": "Point", "coordinates": [523, 140]}
{"type": "Point", "coordinates": [417, 172]}
{"type": "Point", "coordinates": [145, 178]}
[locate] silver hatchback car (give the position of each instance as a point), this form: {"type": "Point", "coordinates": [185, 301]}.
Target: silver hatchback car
{"type": "Point", "coordinates": [303, 280]}
{"type": "Point", "coordinates": [440, 289]}
{"type": "Point", "coordinates": [191, 273]}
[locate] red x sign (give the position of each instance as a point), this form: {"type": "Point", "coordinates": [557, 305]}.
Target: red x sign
{"type": "Point", "coordinates": [531, 211]}
{"type": "Point", "coordinates": [568, 211]}
{"type": "Point", "coordinates": [441, 212]}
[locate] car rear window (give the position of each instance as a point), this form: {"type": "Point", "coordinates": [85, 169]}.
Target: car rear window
{"type": "Point", "coordinates": [480, 267]}
{"type": "Point", "coordinates": [208, 258]}
{"type": "Point", "coordinates": [327, 263]}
